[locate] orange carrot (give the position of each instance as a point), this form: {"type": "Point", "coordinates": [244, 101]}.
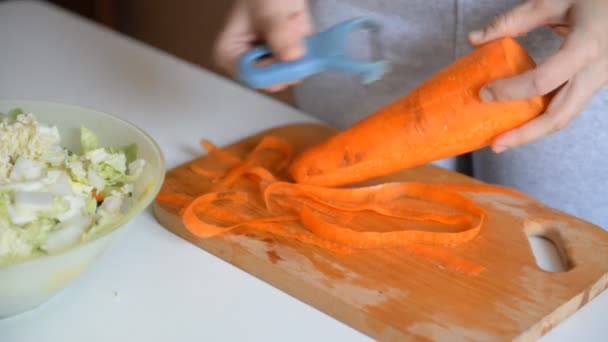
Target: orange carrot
{"type": "Point", "coordinates": [443, 117]}
{"type": "Point", "coordinates": [98, 196]}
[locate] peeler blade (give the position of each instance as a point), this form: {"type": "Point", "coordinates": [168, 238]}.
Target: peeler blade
{"type": "Point", "coordinates": [326, 51]}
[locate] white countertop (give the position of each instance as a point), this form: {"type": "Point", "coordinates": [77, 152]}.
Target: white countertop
{"type": "Point", "coordinates": [152, 285]}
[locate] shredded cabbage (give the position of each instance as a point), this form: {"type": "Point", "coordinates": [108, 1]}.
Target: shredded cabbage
{"type": "Point", "coordinates": [52, 198]}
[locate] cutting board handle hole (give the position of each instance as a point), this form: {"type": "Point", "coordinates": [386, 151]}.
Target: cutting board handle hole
{"type": "Point", "coordinates": [548, 255]}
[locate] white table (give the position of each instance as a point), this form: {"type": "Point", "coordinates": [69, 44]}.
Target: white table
{"type": "Point", "coordinates": [151, 285]}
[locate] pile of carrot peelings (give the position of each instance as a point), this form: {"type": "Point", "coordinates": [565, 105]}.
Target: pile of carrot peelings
{"type": "Point", "coordinates": [253, 193]}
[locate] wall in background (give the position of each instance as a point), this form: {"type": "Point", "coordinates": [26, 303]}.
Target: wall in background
{"type": "Point", "coordinates": [184, 28]}
{"type": "Point", "coordinates": [101, 11]}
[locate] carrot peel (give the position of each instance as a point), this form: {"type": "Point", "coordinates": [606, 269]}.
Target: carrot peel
{"type": "Point", "coordinates": [323, 216]}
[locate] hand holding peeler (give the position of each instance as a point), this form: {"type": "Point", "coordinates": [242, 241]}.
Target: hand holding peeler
{"type": "Point", "coordinates": [324, 51]}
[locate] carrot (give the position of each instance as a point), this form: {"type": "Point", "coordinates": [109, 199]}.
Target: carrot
{"type": "Point", "coordinates": [98, 196]}
{"type": "Point", "coordinates": [443, 117]}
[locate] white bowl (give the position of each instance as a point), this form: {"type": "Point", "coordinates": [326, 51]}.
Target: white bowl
{"type": "Point", "coordinates": [27, 284]}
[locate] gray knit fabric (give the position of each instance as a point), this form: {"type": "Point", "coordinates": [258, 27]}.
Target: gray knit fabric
{"type": "Point", "coordinates": [567, 170]}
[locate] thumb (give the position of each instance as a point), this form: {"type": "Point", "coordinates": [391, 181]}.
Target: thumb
{"type": "Point", "coordinates": [520, 20]}
{"type": "Point", "coordinates": [283, 25]}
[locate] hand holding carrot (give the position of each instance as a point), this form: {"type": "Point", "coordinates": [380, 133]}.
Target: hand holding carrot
{"type": "Point", "coordinates": [576, 72]}
{"type": "Point", "coordinates": [282, 24]}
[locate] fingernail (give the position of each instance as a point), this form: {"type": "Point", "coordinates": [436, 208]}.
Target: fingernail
{"type": "Point", "coordinates": [476, 36]}
{"type": "Point", "coordinates": [486, 95]}
{"type": "Point", "coordinates": [499, 148]}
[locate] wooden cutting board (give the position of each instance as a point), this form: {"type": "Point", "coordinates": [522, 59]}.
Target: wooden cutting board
{"type": "Point", "coordinates": [391, 294]}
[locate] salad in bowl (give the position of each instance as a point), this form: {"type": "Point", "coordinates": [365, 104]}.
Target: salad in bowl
{"type": "Point", "coordinates": [65, 187]}
{"type": "Point", "coordinates": [51, 197]}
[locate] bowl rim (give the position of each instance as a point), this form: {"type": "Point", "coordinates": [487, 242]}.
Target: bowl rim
{"type": "Point", "coordinates": [137, 209]}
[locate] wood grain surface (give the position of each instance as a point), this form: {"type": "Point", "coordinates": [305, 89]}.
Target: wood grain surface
{"type": "Point", "coordinates": [395, 294]}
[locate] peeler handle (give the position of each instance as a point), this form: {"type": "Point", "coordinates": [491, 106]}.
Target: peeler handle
{"type": "Point", "coordinates": [277, 72]}
{"type": "Point", "coordinates": [324, 51]}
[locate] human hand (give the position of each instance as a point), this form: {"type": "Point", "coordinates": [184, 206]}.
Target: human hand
{"type": "Point", "coordinates": [575, 73]}
{"type": "Point", "coordinates": [282, 24]}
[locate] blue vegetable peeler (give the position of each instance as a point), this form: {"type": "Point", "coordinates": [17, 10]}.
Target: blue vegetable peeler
{"type": "Point", "coordinates": [324, 51]}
